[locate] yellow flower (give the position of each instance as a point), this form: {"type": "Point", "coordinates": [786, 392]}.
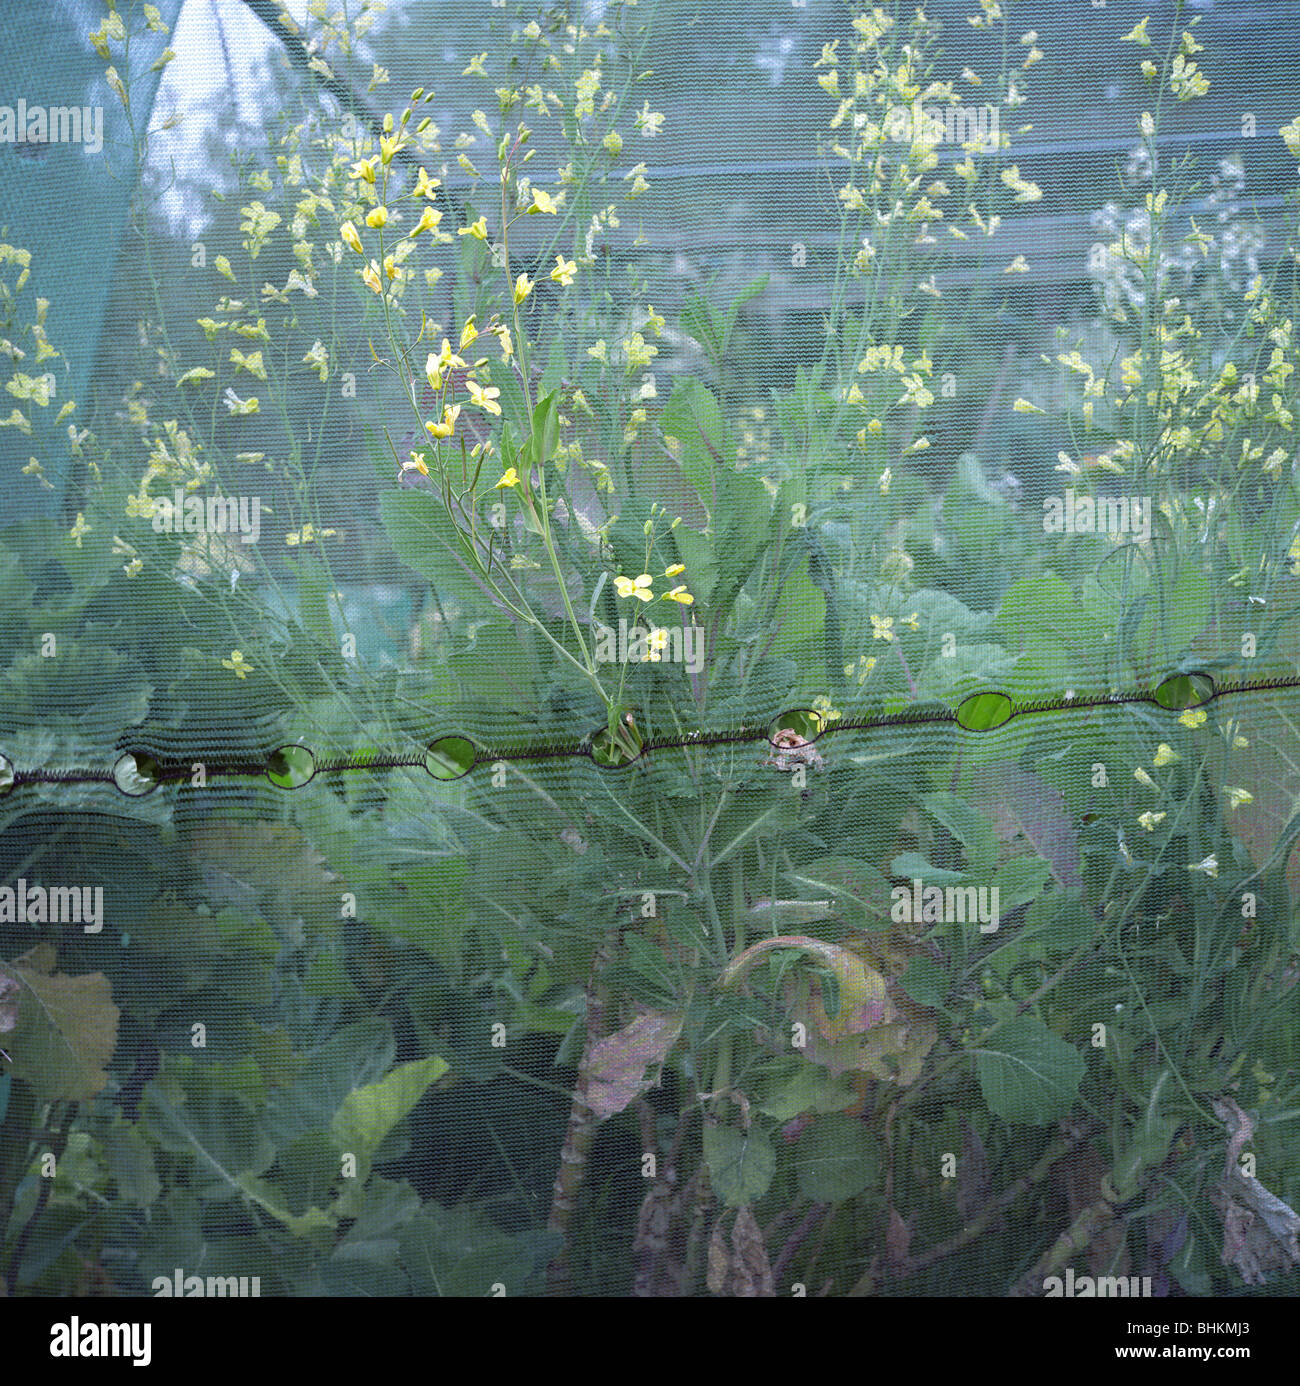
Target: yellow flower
{"type": "Point", "coordinates": [478, 230]}
{"type": "Point", "coordinates": [79, 528]}
{"type": "Point", "coordinates": [1142, 777]}
{"type": "Point", "coordinates": [306, 535]}
{"type": "Point", "coordinates": [675, 570]}
{"type": "Point", "coordinates": [377, 217]}
{"type": "Point", "coordinates": [484, 398]}
{"type": "Point", "coordinates": [1237, 797]}
{"type": "Point", "coordinates": [882, 627]}
{"type": "Point", "coordinates": [469, 332]}
{"type": "Point", "coordinates": [1291, 135]}
{"type": "Point", "coordinates": [507, 343]}
{"type": "Point", "coordinates": [635, 587]}
{"type": "Point", "coordinates": [1138, 33]}
{"type": "Point", "coordinates": [1194, 717]}
{"type": "Point", "coordinates": [649, 122]}
{"type": "Point", "coordinates": [510, 477]}
{"type": "Point", "coordinates": [563, 272]}
{"type": "Point", "coordinates": [242, 668]}
{"type": "Point", "coordinates": [613, 142]}
{"type": "Point", "coordinates": [350, 237]}
{"type": "Point", "coordinates": [543, 202]}
{"type": "Point", "coordinates": [475, 68]}
{"type": "Point", "coordinates": [370, 277]}
{"type": "Point", "coordinates": [389, 145]}
{"type": "Point", "coordinates": [1210, 865]}
{"type": "Point", "coordinates": [656, 641]}
{"type": "Point", "coordinates": [429, 220]}
{"type": "Point", "coordinates": [424, 185]}
{"type": "Point", "coordinates": [446, 426]}
{"type": "Point", "coordinates": [415, 463]}
{"type": "Point", "coordinates": [390, 267]}
{"type": "Point", "coordinates": [1165, 755]}
{"type": "Point", "coordinates": [1149, 820]}
{"type": "Point", "coordinates": [679, 594]}
{"type": "Point", "coordinates": [365, 168]}
{"type": "Point", "coordinates": [523, 287]}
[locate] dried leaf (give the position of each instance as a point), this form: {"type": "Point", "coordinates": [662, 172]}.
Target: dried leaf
{"type": "Point", "coordinates": [743, 1271]}
{"type": "Point", "coordinates": [67, 1027]}
{"type": "Point", "coordinates": [719, 1261]}
{"type": "Point", "coordinates": [9, 997]}
{"type": "Point", "coordinates": [1259, 1230]}
{"type": "Point", "coordinates": [898, 1238]}
{"type": "Point", "coordinates": [974, 1181]}
{"type": "Point", "coordinates": [616, 1072]}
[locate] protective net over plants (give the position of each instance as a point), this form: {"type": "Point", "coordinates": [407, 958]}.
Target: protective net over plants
{"type": "Point", "coordinates": [649, 649]}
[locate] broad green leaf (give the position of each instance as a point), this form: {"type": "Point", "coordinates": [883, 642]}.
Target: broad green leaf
{"type": "Point", "coordinates": [693, 417]}
{"type": "Point", "coordinates": [858, 890]}
{"type": "Point", "coordinates": [799, 616]}
{"type": "Point", "coordinates": [368, 1114]}
{"type": "Point", "coordinates": [837, 1158]}
{"type": "Point", "coordinates": [926, 982]}
{"type": "Point", "coordinates": [808, 1089]}
{"type": "Point", "coordinates": [741, 1163]}
{"type": "Point", "coordinates": [218, 1132]}
{"type": "Point", "coordinates": [967, 824]}
{"type": "Point", "coordinates": [424, 538]}
{"type": "Point", "coordinates": [1027, 1073]}
{"type": "Point", "coordinates": [1020, 880]}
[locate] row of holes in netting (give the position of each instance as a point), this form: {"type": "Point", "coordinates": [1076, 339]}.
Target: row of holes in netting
{"type": "Point", "coordinates": [449, 758]}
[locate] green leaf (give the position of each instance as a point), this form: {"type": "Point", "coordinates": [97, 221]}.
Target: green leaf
{"type": "Point", "coordinates": [1175, 614]}
{"type": "Point", "coordinates": [1063, 918]}
{"type": "Point", "coordinates": [1027, 1073]}
{"type": "Point", "coordinates": [968, 825]}
{"type": "Point", "coordinates": [837, 1159]}
{"type": "Point", "coordinates": [799, 617]}
{"type": "Point", "coordinates": [913, 864]}
{"type": "Point", "coordinates": [1019, 880]}
{"type": "Point", "coordinates": [424, 538]}
{"type": "Point", "coordinates": [750, 291]}
{"type": "Point", "coordinates": [351, 1058]}
{"type": "Point", "coordinates": [693, 417]}
{"type": "Point", "coordinates": [926, 982]}
{"type": "Point", "coordinates": [368, 1114]}
{"type": "Point", "coordinates": [741, 1163]}
{"type": "Point", "coordinates": [809, 1089]}
{"type": "Point", "coordinates": [546, 429]}
{"type": "Point", "coordinates": [218, 1132]}
{"type": "Point", "coordinates": [130, 1163]}
{"type": "Point", "coordinates": [860, 892]}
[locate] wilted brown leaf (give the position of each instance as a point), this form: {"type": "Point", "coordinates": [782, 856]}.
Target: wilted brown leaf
{"type": "Point", "coordinates": [1259, 1230]}
{"type": "Point", "coordinates": [67, 1027]}
{"type": "Point", "coordinates": [616, 1072]}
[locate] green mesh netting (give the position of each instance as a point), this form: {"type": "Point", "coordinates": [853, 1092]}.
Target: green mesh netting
{"type": "Point", "coordinates": [649, 650]}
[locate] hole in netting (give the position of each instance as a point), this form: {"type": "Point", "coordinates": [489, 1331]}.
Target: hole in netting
{"type": "Point", "coordinates": [136, 773]}
{"type": "Point", "coordinates": [290, 767]}
{"type": "Point", "coordinates": [6, 774]}
{"type": "Point", "coordinates": [619, 748]}
{"type": "Point", "coordinates": [983, 711]}
{"type": "Point", "coordinates": [1181, 691]}
{"type": "Point", "coordinates": [802, 721]}
{"type": "Point", "coordinates": [449, 758]}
